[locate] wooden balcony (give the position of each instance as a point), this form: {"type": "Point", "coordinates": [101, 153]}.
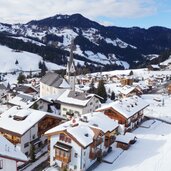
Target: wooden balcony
{"type": "Point", "coordinates": [97, 142]}
{"type": "Point", "coordinates": [63, 152]}
{"type": "Point", "coordinates": [43, 128]}
{"type": "Point", "coordinates": [134, 119]}
{"type": "Point", "coordinates": [63, 159]}
{"type": "Point", "coordinates": [95, 154]}
{"type": "Point", "coordinates": [46, 124]}
{"type": "Point", "coordinates": [127, 124]}
{"type": "Point", "coordinates": [109, 141]}
{"type": "Point", "coordinates": [140, 115]}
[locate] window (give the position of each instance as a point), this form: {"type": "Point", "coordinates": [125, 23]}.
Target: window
{"type": "Point", "coordinates": [71, 111]}
{"type": "Point", "coordinates": [40, 107]}
{"type": "Point", "coordinates": [84, 153]}
{"type": "Point", "coordinates": [64, 109]}
{"type": "Point", "coordinates": [33, 137]}
{"type": "Point", "coordinates": [76, 112]}
{"type": "Point", "coordinates": [91, 103]}
{"type": "Point", "coordinates": [76, 155]}
{"type": "Point", "coordinates": [75, 167]}
{"type": "Point", "coordinates": [67, 139]}
{"type": "Point", "coordinates": [26, 145]}
{"type": "Point", "coordinates": [1, 164]}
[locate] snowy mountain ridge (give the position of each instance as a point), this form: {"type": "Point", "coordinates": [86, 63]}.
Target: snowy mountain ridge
{"type": "Point", "coordinates": [125, 47]}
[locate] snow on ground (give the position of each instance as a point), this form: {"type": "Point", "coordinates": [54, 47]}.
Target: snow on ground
{"type": "Point", "coordinates": [159, 106]}
{"type": "Point", "coordinates": [166, 62]}
{"type": "Point", "coordinates": [24, 39]}
{"type": "Point", "coordinates": [123, 63]}
{"type": "Point", "coordinates": [26, 61]}
{"type": "Point", "coordinates": [150, 152]}
{"type": "Point", "coordinates": [141, 73]}
{"type": "Point", "coordinates": [97, 57]}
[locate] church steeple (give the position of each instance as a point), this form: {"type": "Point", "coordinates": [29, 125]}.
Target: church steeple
{"type": "Point", "coordinates": [71, 72]}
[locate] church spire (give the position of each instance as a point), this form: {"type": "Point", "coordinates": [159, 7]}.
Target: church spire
{"type": "Point", "coordinates": [71, 72]}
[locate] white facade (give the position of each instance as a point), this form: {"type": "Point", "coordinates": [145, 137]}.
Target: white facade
{"type": "Point", "coordinates": [28, 137]}
{"type": "Point", "coordinates": [9, 155]}
{"type": "Point", "coordinates": [81, 162]}
{"type": "Point", "coordinates": [7, 164]}
{"type": "Point", "coordinates": [72, 82]}
{"type": "Point", "coordinates": [91, 106]}
{"type": "Point", "coordinates": [78, 143]}
{"type": "Point", "coordinates": [46, 90]}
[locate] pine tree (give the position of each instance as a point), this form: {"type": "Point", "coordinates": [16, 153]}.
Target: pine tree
{"type": "Point", "coordinates": [21, 78]}
{"type": "Point", "coordinates": [16, 62]}
{"type": "Point", "coordinates": [32, 153]}
{"type": "Point", "coordinates": [112, 96]}
{"type": "Point", "coordinates": [43, 69]}
{"type": "Point", "coordinates": [92, 88]}
{"type": "Point", "coordinates": [101, 91]}
{"type": "Point", "coordinates": [40, 64]}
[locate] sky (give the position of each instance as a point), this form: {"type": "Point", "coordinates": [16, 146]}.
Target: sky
{"type": "Point", "coordinates": [123, 13]}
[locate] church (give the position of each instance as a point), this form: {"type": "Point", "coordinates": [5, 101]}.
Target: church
{"type": "Point", "coordinates": [72, 102]}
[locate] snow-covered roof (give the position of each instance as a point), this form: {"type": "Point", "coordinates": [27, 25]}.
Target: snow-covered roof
{"type": "Point", "coordinates": [84, 134]}
{"type": "Point", "coordinates": [23, 100]}
{"type": "Point", "coordinates": [7, 149]}
{"type": "Point", "coordinates": [127, 106]}
{"type": "Point", "coordinates": [141, 84]}
{"type": "Point", "coordinates": [155, 66]}
{"type": "Point", "coordinates": [75, 98]}
{"type": "Point", "coordinates": [2, 87]}
{"type": "Point", "coordinates": [125, 138]}
{"type": "Point", "coordinates": [64, 84]}
{"type": "Point", "coordinates": [96, 120]}
{"type": "Point", "coordinates": [21, 120]}
{"type": "Point", "coordinates": [54, 80]}
{"type": "Point", "coordinates": [101, 121]}
{"type": "Point", "coordinates": [127, 89]}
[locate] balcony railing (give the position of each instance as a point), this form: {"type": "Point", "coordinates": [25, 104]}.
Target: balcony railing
{"type": "Point", "coordinates": [95, 154]}
{"type": "Point", "coordinates": [134, 119]}
{"type": "Point", "coordinates": [109, 141]}
{"type": "Point", "coordinates": [63, 159]}
{"type": "Point", "coordinates": [97, 142]}
{"type": "Point", "coordinates": [127, 124]}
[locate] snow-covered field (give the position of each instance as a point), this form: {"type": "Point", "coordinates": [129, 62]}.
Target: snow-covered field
{"type": "Point", "coordinates": [26, 61]}
{"type": "Point", "coordinates": [159, 106]}
{"type": "Point", "coordinates": [141, 73]}
{"type": "Point", "coordinates": [151, 152]}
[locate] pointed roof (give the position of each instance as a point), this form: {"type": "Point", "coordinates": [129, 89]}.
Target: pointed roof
{"type": "Point", "coordinates": [54, 80]}
{"type": "Point", "coordinates": [71, 58]}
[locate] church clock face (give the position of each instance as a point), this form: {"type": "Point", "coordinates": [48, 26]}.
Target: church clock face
{"type": "Point", "coordinates": [72, 68]}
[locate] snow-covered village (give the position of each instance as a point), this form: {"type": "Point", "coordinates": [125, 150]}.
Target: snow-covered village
{"type": "Point", "coordinates": [115, 120]}
{"type": "Point", "coordinates": [89, 90]}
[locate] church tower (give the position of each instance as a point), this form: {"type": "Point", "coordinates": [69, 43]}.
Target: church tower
{"type": "Point", "coordinates": [71, 72]}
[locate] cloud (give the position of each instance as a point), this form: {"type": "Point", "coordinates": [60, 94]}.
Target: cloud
{"type": "Point", "coordinates": [23, 11]}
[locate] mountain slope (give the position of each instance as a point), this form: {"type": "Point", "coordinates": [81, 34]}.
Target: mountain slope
{"type": "Point", "coordinates": [25, 61]}
{"type": "Point", "coordinates": [96, 44]}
